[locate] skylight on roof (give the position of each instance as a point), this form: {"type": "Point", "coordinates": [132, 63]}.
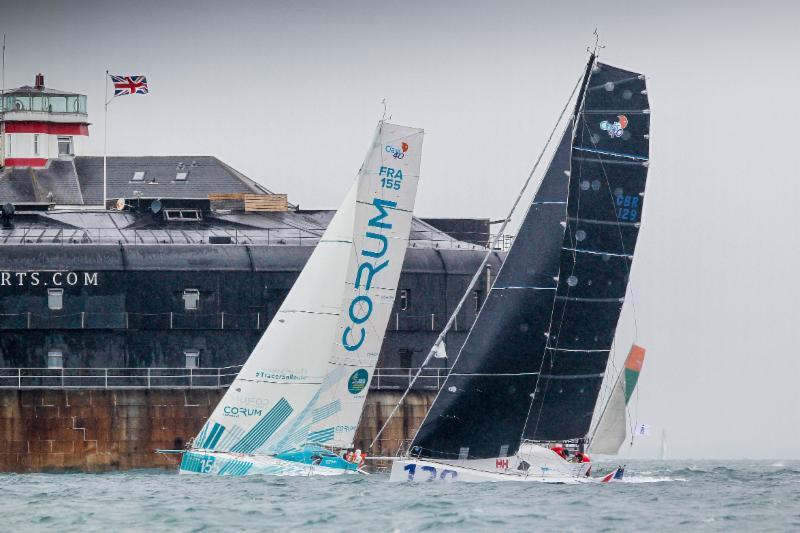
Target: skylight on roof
{"type": "Point", "coordinates": [181, 176]}
{"type": "Point", "coordinates": [138, 176]}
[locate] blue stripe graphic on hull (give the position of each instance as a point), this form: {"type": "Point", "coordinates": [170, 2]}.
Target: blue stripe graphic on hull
{"type": "Point", "coordinates": [196, 462]}
{"type": "Point", "coordinates": [264, 429]}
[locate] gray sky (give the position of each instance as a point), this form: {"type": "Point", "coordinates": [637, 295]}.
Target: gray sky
{"type": "Point", "coordinates": [289, 93]}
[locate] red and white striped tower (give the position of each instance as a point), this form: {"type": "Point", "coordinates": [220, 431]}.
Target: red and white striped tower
{"type": "Point", "coordinates": [39, 124]}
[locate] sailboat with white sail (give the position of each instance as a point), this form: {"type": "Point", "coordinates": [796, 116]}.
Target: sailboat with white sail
{"type": "Point", "coordinates": [298, 398]}
{"type": "Point", "coordinates": [530, 371]}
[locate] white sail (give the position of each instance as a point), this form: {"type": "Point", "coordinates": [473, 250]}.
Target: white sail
{"type": "Point", "coordinates": [611, 428]}
{"type": "Point", "coordinates": [308, 376]}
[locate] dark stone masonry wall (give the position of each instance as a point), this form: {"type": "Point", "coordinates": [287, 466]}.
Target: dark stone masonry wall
{"type": "Point", "coordinates": [103, 430]}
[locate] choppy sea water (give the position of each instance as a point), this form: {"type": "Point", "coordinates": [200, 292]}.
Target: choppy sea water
{"type": "Point", "coordinates": [703, 495]}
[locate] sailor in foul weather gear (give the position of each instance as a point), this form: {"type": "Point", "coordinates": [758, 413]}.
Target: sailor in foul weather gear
{"type": "Point", "coordinates": [561, 451]}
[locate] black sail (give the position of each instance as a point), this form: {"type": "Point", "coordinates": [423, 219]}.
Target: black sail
{"type": "Point", "coordinates": [485, 400]}
{"type": "Point", "coordinates": [610, 154]}
{"type": "Point", "coordinates": [549, 320]}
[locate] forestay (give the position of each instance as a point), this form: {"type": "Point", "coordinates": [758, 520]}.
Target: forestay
{"type": "Point", "coordinates": [308, 376]}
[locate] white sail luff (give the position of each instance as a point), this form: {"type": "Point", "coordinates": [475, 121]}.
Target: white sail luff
{"type": "Point", "coordinates": [611, 428]}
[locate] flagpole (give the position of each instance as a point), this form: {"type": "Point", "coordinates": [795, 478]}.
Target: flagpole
{"type": "Point", "coordinates": [105, 143]}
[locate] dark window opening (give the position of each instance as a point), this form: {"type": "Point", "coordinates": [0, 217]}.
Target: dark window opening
{"type": "Point", "coordinates": [405, 297]}
{"type": "Point", "coordinates": [405, 357]}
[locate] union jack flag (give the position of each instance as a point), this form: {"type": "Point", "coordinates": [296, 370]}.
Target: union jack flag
{"type": "Point", "coordinates": [129, 85]}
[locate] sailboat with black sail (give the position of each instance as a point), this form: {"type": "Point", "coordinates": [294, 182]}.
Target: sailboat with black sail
{"type": "Point", "coordinates": [298, 398]}
{"type": "Point", "coordinates": [530, 371]}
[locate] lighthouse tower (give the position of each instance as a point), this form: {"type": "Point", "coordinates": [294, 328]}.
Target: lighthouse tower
{"type": "Point", "coordinates": [38, 124]}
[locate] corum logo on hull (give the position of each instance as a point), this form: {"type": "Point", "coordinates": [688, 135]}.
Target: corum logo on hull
{"type": "Point", "coordinates": [234, 411]}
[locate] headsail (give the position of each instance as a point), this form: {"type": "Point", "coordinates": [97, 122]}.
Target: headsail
{"type": "Point", "coordinates": [308, 376]}
{"type": "Point", "coordinates": [612, 425]}
{"type": "Point", "coordinates": [534, 360]}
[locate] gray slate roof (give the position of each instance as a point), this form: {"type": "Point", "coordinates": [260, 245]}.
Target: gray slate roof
{"type": "Point", "coordinates": [80, 182]}
{"type": "Point", "coordinates": [207, 175]}
{"type": "Point", "coordinates": [34, 185]}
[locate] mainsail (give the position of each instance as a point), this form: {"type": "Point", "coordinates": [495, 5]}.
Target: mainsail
{"type": "Point", "coordinates": [611, 429]}
{"type": "Point", "coordinates": [308, 376]}
{"type": "Point", "coordinates": [532, 365]}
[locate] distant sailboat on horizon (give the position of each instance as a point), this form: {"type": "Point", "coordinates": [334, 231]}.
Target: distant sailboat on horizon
{"type": "Point", "coordinates": [298, 398]}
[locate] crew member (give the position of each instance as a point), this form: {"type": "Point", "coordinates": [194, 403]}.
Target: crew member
{"type": "Point", "coordinates": [560, 450]}
{"type": "Point", "coordinates": [581, 457]}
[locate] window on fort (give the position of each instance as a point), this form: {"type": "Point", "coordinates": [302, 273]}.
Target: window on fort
{"type": "Point", "coordinates": [9, 145]}
{"type": "Point", "coordinates": [35, 144]}
{"type": "Point", "coordinates": [55, 299]}
{"type": "Point", "coordinates": [405, 295]}
{"type": "Point", "coordinates": [191, 299]}
{"type": "Point", "coordinates": [192, 358]}
{"type": "Point", "coordinates": [55, 359]}
{"type": "Point", "coordinates": [476, 297]}
{"type": "Point", "coordinates": [65, 146]}
{"type": "Point", "coordinates": [405, 357]}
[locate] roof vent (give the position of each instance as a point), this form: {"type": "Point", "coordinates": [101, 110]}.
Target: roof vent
{"type": "Point", "coordinates": [39, 81]}
{"type": "Point", "coordinates": [182, 215]}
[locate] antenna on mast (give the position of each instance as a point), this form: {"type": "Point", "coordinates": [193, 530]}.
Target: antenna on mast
{"type": "Point", "coordinates": [597, 44]}
{"type": "Point", "coordinates": [383, 118]}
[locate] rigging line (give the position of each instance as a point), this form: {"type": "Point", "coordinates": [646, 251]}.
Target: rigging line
{"type": "Point", "coordinates": [479, 271]}
{"type": "Point", "coordinates": [577, 116]}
